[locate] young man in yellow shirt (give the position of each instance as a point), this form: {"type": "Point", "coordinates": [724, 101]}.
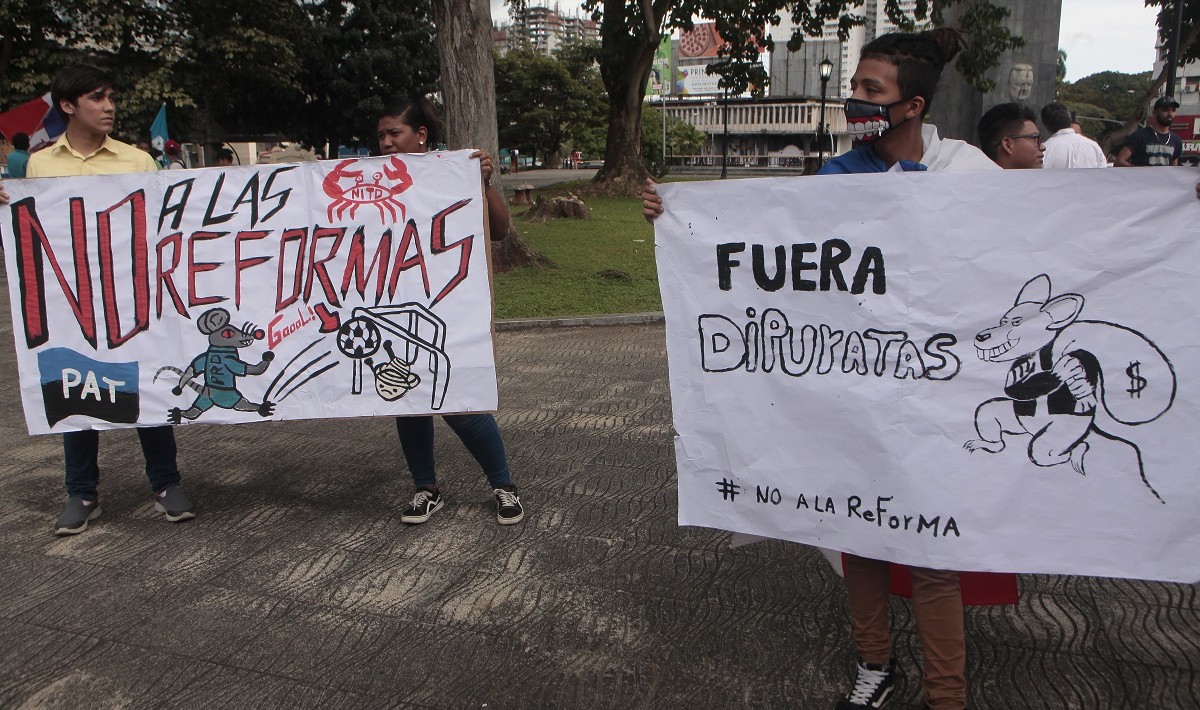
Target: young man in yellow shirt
{"type": "Point", "coordinates": [84, 99]}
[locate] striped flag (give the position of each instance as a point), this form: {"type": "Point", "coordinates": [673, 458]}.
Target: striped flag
{"type": "Point", "coordinates": [34, 119]}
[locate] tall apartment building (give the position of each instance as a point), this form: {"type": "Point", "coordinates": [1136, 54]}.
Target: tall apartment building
{"type": "Point", "coordinates": [545, 29]}
{"type": "Point", "coordinates": [798, 73]}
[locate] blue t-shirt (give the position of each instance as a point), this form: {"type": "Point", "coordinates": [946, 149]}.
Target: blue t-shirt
{"type": "Point", "coordinates": [863, 160]}
{"type": "Point", "coordinates": [17, 160]}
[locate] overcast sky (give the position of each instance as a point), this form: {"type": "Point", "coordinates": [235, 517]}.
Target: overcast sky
{"type": "Point", "coordinates": [1099, 35]}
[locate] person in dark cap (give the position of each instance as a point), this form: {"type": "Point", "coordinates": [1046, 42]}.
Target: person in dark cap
{"type": "Point", "coordinates": [1153, 144]}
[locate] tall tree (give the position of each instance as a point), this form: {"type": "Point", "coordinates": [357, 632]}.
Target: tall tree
{"type": "Point", "coordinates": [541, 101]}
{"type": "Point", "coordinates": [33, 34]}
{"type": "Point", "coordinates": [225, 47]}
{"type": "Point", "coordinates": [630, 32]}
{"type": "Point", "coordinates": [361, 56]}
{"type": "Point", "coordinates": [464, 41]}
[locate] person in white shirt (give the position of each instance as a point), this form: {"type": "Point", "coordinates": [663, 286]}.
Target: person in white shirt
{"type": "Point", "coordinates": [1065, 148]}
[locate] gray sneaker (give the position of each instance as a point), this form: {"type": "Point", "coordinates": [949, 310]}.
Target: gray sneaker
{"type": "Point", "coordinates": [174, 504]}
{"type": "Point", "coordinates": [75, 518]}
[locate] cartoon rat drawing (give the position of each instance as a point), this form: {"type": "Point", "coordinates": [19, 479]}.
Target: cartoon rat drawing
{"type": "Point", "coordinates": [220, 367]}
{"type": "Point", "coordinates": [1062, 371]}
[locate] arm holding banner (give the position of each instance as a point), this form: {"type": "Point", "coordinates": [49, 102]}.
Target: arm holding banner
{"type": "Point", "coordinates": [499, 220]}
{"type": "Point", "coordinates": [652, 204]}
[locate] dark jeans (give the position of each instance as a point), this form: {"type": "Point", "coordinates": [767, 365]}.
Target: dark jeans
{"type": "Point", "coordinates": [479, 434]}
{"type": "Point", "coordinates": [81, 448]}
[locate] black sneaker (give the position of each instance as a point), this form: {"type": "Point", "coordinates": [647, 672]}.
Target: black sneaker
{"type": "Point", "coordinates": [74, 519]}
{"type": "Point", "coordinates": [171, 502]}
{"type": "Point", "coordinates": [873, 687]}
{"type": "Point", "coordinates": [424, 503]}
{"type": "Point", "coordinates": [508, 506]}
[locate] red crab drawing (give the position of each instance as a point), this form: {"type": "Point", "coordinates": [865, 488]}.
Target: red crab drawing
{"type": "Point", "coordinates": [382, 196]}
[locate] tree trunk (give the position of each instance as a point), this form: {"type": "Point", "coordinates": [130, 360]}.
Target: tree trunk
{"type": "Point", "coordinates": [464, 39]}
{"type": "Point", "coordinates": [624, 66]}
{"type": "Point", "coordinates": [623, 170]}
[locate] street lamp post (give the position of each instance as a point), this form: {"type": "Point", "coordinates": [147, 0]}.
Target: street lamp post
{"type": "Point", "coordinates": [826, 72]}
{"type": "Point", "coordinates": [725, 137]}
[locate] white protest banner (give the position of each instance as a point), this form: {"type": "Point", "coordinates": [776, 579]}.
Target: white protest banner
{"type": "Point", "coordinates": [971, 371]}
{"type": "Point", "coordinates": [229, 295]}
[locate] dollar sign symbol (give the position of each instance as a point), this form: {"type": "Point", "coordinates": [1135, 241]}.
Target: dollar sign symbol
{"type": "Point", "coordinates": [1137, 383]}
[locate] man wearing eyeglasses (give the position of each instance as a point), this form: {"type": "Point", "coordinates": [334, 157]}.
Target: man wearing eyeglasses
{"type": "Point", "coordinates": [1008, 134]}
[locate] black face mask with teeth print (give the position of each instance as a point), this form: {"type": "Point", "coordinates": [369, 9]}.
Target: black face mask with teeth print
{"type": "Point", "coordinates": [867, 122]}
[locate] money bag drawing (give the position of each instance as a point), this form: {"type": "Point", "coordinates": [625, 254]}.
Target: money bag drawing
{"type": "Point", "coordinates": [1062, 371]}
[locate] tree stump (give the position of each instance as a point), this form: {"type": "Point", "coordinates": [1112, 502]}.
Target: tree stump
{"type": "Point", "coordinates": [546, 209]}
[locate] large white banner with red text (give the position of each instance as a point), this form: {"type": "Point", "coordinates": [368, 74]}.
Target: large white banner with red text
{"type": "Point", "coordinates": [228, 295]}
{"type": "Point", "coordinates": [970, 371]}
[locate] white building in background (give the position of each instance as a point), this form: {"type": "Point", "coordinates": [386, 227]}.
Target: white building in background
{"type": "Point", "coordinates": [1187, 82]}
{"type": "Point", "coordinates": [545, 29]}
{"type": "Point", "coordinates": [798, 74]}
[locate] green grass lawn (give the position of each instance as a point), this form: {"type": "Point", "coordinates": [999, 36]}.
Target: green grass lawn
{"type": "Point", "coordinates": [602, 265]}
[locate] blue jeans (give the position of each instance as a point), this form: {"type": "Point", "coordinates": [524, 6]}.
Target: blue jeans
{"type": "Point", "coordinates": [479, 434]}
{"type": "Point", "coordinates": [81, 449]}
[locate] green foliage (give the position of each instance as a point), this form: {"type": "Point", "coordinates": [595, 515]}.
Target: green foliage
{"type": "Point", "coordinates": [630, 32]}
{"type": "Point", "coordinates": [33, 34]}
{"type": "Point", "coordinates": [315, 69]}
{"type": "Point", "coordinates": [1089, 117]}
{"type": "Point", "coordinates": [357, 57]}
{"type": "Point", "coordinates": [745, 27]}
{"type": "Point", "coordinates": [1191, 21]}
{"type": "Point", "coordinates": [1116, 95]}
{"type": "Point", "coordinates": [224, 47]}
{"type": "Point", "coordinates": [543, 102]}
{"type": "Point", "coordinates": [682, 139]}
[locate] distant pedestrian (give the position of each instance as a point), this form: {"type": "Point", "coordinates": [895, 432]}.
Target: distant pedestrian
{"type": "Point", "coordinates": [1065, 148]}
{"type": "Point", "coordinates": [1153, 144]}
{"type": "Point", "coordinates": [19, 157]}
{"type": "Point", "coordinates": [82, 96]}
{"type": "Point", "coordinates": [1008, 134]}
{"type": "Point", "coordinates": [224, 157]}
{"type": "Point", "coordinates": [410, 127]}
{"type": "Point", "coordinates": [174, 156]}
{"type": "Point", "coordinates": [576, 158]}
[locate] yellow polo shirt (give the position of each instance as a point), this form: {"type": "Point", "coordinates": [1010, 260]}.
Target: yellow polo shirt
{"type": "Point", "coordinates": [114, 157]}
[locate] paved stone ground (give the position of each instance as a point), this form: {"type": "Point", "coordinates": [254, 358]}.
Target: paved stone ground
{"type": "Point", "coordinates": [298, 587]}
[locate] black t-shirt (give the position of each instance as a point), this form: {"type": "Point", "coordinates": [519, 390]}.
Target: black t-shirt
{"type": "Point", "coordinates": [1149, 147]}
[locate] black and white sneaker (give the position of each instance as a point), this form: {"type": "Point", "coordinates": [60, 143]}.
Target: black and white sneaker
{"type": "Point", "coordinates": [508, 506]}
{"type": "Point", "coordinates": [424, 503]}
{"type": "Point", "coordinates": [873, 687]}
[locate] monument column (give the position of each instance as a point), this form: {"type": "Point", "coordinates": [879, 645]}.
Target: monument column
{"type": "Point", "coordinates": [1026, 75]}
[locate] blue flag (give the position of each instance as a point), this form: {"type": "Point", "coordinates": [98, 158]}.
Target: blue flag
{"type": "Point", "coordinates": [158, 134]}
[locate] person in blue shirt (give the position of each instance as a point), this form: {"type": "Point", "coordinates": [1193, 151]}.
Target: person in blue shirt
{"type": "Point", "coordinates": [892, 88]}
{"type": "Point", "coordinates": [19, 157]}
